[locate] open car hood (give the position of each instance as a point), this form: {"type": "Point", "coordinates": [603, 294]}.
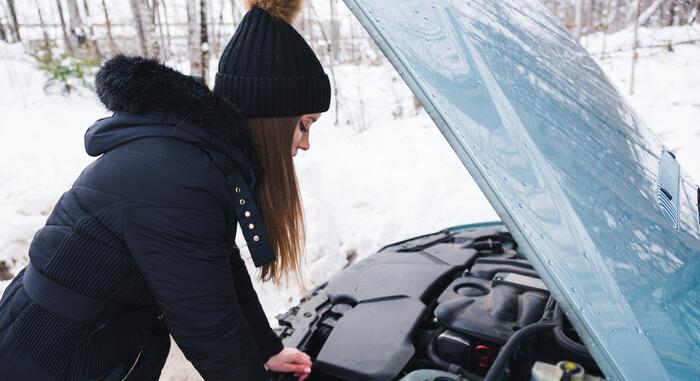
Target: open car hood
{"type": "Point", "coordinates": [605, 215]}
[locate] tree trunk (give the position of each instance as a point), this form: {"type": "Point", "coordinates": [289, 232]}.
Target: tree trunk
{"type": "Point", "coordinates": [140, 32]}
{"type": "Point", "coordinates": [591, 19]}
{"type": "Point", "coordinates": [309, 26]}
{"type": "Point", "coordinates": [3, 35]}
{"type": "Point", "coordinates": [75, 23]}
{"type": "Point", "coordinates": [156, 12]}
{"type": "Point", "coordinates": [578, 19]}
{"type": "Point", "coordinates": [145, 28]}
{"type": "Point", "coordinates": [694, 14]}
{"type": "Point", "coordinates": [671, 14]}
{"type": "Point", "coordinates": [646, 15]}
{"type": "Point", "coordinates": [14, 28]}
{"type": "Point", "coordinates": [353, 45]}
{"type": "Point", "coordinates": [204, 40]}
{"type": "Point", "coordinates": [606, 27]}
{"type": "Point", "coordinates": [635, 45]}
{"type": "Point", "coordinates": [618, 15]}
{"type": "Point", "coordinates": [45, 35]}
{"type": "Point", "coordinates": [167, 26]}
{"type": "Point", "coordinates": [66, 39]}
{"type": "Point", "coordinates": [193, 39]}
{"type": "Point", "coordinates": [112, 46]}
{"type": "Point", "coordinates": [216, 46]}
{"type": "Point", "coordinates": [331, 66]}
{"type": "Point", "coordinates": [91, 32]}
{"type": "Point", "coordinates": [335, 32]}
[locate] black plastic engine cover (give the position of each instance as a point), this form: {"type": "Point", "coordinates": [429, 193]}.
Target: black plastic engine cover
{"type": "Point", "coordinates": [390, 274]}
{"type": "Point", "coordinates": [383, 300]}
{"type": "Point", "coordinates": [372, 341]}
{"type": "Point", "coordinates": [493, 310]}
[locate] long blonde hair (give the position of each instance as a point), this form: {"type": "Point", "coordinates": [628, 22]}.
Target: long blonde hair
{"type": "Point", "coordinates": [278, 197]}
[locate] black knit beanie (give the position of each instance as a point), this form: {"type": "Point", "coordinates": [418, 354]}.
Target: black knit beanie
{"type": "Point", "coordinates": [268, 69]}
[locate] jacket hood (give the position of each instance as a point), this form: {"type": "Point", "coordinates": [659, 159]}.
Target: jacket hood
{"type": "Point", "coordinates": [151, 99]}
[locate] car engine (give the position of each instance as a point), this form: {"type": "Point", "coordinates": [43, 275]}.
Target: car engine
{"type": "Point", "coordinates": [437, 307]}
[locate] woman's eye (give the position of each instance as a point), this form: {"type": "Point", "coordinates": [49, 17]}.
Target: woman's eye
{"type": "Point", "coordinates": [302, 127]}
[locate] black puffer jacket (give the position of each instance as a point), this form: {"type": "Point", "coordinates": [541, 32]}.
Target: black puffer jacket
{"type": "Point", "coordinates": [142, 245]}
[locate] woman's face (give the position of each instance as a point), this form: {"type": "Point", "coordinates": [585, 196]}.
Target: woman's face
{"type": "Point", "coordinates": [301, 132]}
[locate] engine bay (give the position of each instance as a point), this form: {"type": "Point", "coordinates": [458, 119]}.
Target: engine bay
{"type": "Point", "coordinates": [455, 305]}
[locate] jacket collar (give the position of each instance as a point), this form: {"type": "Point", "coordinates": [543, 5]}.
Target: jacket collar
{"type": "Point", "coordinates": [147, 95]}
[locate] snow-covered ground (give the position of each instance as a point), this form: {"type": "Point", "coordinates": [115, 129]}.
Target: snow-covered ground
{"type": "Point", "coordinates": [365, 183]}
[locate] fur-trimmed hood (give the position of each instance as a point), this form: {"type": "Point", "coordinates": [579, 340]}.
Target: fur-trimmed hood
{"type": "Point", "coordinates": [144, 93]}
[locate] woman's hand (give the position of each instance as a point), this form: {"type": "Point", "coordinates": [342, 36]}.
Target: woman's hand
{"type": "Point", "coordinates": [291, 360]}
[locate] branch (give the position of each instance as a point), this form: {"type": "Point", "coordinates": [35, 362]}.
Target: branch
{"type": "Point", "coordinates": [650, 11]}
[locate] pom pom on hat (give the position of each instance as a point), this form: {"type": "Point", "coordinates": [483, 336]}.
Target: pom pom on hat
{"type": "Point", "coordinates": [284, 10]}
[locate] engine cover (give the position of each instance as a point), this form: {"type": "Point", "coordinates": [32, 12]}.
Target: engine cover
{"type": "Point", "coordinates": [372, 341]}
{"type": "Point", "coordinates": [493, 300]}
{"type": "Point", "coordinates": [361, 325]}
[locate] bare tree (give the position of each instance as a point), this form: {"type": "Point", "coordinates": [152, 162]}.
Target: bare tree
{"type": "Point", "coordinates": [64, 30]}
{"type": "Point", "coordinates": [92, 39]}
{"type": "Point", "coordinates": [204, 40]}
{"type": "Point", "coordinates": [335, 31]}
{"type": "Point", "coordinates": [614, 14]}
{"type": "Point", "coordinates": [193, 40]}
{"type": "Point", "coordinates": [167, 26]}
{"type": "Point", "coordinates": [606, 27]}
{"type": "Point", "coordinates": [583, 17]}
{"type": "Point", "coordinates": [618, 15]}
{"type": "Point", "coordinates": [216, 45]}
{"type": "Point", "coordinates": [156, 12]}
{"type": "Point", "coordinates": [595, 14]}
{"type": "Point", "coordinates": [14, 27]}
{"type": "Point", "coordinates": [75, 23]}
{"type": "Point", "coordinates": [309, 25]}
{"type": "Point", "coordinates": [578, 19]}
{"type": "Point", "coordinates": [331, 66]}
{"type": "Point", "coordinates": [145, 28]}
{"type": "Point", "coordinates": [646, 15]}
{"type": "Point", "coordinates": [45, 35]}
{"type": "Point", "coordinates": [108, 23]}
{"type": "Point", "coordinates": [635, 45]}
{"type": "Point", "coordinates": [353, 44]}
{"type": "Point", "coordinates": [694, 13]}
{"type": "Point", "coordinates": [3, 35]}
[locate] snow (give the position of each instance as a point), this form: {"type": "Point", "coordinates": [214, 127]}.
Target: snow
{"type": "Point", "coordinates": [372, 180]}
{"type": "Point", "coordinates": [41, 150]}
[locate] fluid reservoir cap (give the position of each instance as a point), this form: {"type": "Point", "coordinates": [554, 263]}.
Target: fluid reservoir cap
{"type": "Point", "coordinates": [571, 367]}
{"type": "Point", "coordinates": [430, 375]}
{"type": "Point", "coordinates": [542, 371]}
{"type": "Point", "coordinates": [341, 308]}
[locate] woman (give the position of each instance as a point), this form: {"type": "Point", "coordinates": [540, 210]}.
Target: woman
{"type": "Point", "coordinates": [142, 245]}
